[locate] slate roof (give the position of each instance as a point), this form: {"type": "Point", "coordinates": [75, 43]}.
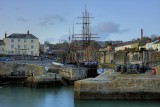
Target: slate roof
{"type": "Point", "coordinates": [19, 35]}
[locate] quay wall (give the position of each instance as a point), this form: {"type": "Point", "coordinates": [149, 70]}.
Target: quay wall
{"type": "Point", "coordinates": [111, 85]}
{"type": "Point", "coordinates": [72, 74]}
{"type": "Point", "coordinates": [29, 75]}
{"type": "Point", "coordinates": [8, 68]}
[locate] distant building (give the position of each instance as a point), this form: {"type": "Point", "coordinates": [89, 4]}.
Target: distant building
{"type": "Point", "coordinates": [106, 55]}
{"type": "Point", "coordinates": [21, 44]}
{"type": "Point", "coordinates": [149, 46]}
{"type": "Point", "coordinates": [156, 46]}
{"type": "Point", "coordinates": [130, 45]}
{"type": "Point", "coordinates": [123, 47]}
{"type": "Point", "coordinates": [113, 42]}
{"type": "Point", "coordinates": [2, 50]}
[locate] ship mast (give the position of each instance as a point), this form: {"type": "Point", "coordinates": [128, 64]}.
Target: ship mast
{"type": "Point", "coordinates": [86, 36]}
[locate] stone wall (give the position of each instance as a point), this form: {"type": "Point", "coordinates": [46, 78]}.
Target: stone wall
{"type": "Point", "coordinates": [120, 57]}
{"type": "Point", "coordinates": [111, 85]}
{"type": "Point", "coordinates": [155, 56]}
{"type": "Point", "coordinates": [72, 73]}
{"type": "Point", "coordinates": [149, 58]}
{"type": "Point", "coordinates": [6, 68]}
{"type": "Point", "coordinates": [157, 68]}
{"type": "Point", "coordinates": [106, 56]}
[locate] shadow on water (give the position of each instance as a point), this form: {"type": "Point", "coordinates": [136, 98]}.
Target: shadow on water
{"type": "Point", "coordinates": [116, 103]}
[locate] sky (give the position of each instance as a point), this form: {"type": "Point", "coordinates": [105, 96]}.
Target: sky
{"type": "Point", "coordinates": [50, 20]}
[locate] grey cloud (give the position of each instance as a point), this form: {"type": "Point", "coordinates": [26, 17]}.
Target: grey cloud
{"type": "Point", "coordinates": [108, 28]}
{"type": "Point", "coordinates": [22, 20]}
{"type": "Point", "coordinates": [51, 20]}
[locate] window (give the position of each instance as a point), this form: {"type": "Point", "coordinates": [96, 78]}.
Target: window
{"type": "Point", "coordinates": [12, 46]}
{"type": "Point", "coordinates": [18, 52]}
{"type": "Point", "coordinates": [25, 40]}
{"type": "Point", "coordinates": [31, 52]}
{"type": "Point", "coordinates": [12, 40]}
{"type": "Point", "coordinates": [25, 52]}
{"type": "Point", "coordinates": [19, 40]}
{"type": "Point", "coordinates": [25, 46]}
{"type": "Point", "coordinates": [19, 46]}
{"type": "Point", "coordinates": [12, 52]}
{"type": "Point", "coordinates": [32, 47]}
{"type": "Point", "coordinates": [31, 41]}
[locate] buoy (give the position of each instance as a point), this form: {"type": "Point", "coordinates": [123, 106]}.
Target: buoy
{"type": "Point", "coordinates": [153, 71]}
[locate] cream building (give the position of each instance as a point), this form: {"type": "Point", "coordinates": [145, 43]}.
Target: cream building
{"type": "Point", "coordinates": [2, 50]}
{"type": "Point", "coordinates": [21, 44]}
{"type": "Point", "coordinates": [149, 46]}
{"type": "Point", "coordinates": [156, 46]}
{"type": "Point", "coordinates": [123, 47]}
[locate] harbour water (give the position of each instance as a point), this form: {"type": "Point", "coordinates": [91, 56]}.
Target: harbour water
{"type": "Point", "coordinates": [19, 96]}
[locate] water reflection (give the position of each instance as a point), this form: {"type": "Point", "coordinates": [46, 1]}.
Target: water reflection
{"type": "Point", "coordinates": [115, 103]}
{"type": "Point", "coordinates": [14, 96]}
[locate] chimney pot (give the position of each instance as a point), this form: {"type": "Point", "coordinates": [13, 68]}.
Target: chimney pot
{"type": "Point", "coordinates": [141, 34]}
{"type": "Point", "coordinates": [5, 35]}
{"type": "Point", "coordinates": [28, 32]}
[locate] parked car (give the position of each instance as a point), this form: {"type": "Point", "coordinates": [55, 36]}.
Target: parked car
{"type": "Point", "coordinates": [6, 59]}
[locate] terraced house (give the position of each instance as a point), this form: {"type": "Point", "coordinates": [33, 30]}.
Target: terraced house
{"type": "Point", "coordinates": [21, 44]}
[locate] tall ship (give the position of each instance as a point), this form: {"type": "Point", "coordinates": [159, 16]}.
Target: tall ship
{"type": "Point", "coordinates": [83, 48]}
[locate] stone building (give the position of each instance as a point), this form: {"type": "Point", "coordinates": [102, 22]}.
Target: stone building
{"type": "Point", "coordinates": [21, 44]}
{"type": "Point", "coordinates": [106, 55]}
{"type": "Point", "coordinates": [2, 50]}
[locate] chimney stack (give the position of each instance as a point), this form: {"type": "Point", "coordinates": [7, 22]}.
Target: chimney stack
{"type": "Point", "coordinates": [28, 32]}
{"type": "Point", "coordinates": [141, 34]}
{"type": "Point", "coordinates": [5, 35]}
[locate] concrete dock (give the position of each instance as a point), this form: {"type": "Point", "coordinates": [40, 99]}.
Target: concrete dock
{"type": "Point", "coordinates": [113, 85]}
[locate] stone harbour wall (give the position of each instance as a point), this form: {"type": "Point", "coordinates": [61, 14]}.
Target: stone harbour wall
{"type": "Point", "coordinates": [72, 73]}
{"type": "Point", "coordinates": [111, 85]}
{"type": "Point", "coordinates": [8, 68]}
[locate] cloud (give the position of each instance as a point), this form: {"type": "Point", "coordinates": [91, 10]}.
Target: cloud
{"type": "Point", "coordinates": [22, 20]}
{"type": "Point", "coordinates": [51, 20]}
{"type": "Point", "coordinates": [108, 28]}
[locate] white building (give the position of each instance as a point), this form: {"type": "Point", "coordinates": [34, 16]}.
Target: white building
{"type": "Point", "coordinates": [149, 46]}
{"type": "Point", "coordinates": [21, 44]}
{"type": "Point", "coordinates": [2, 50]}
